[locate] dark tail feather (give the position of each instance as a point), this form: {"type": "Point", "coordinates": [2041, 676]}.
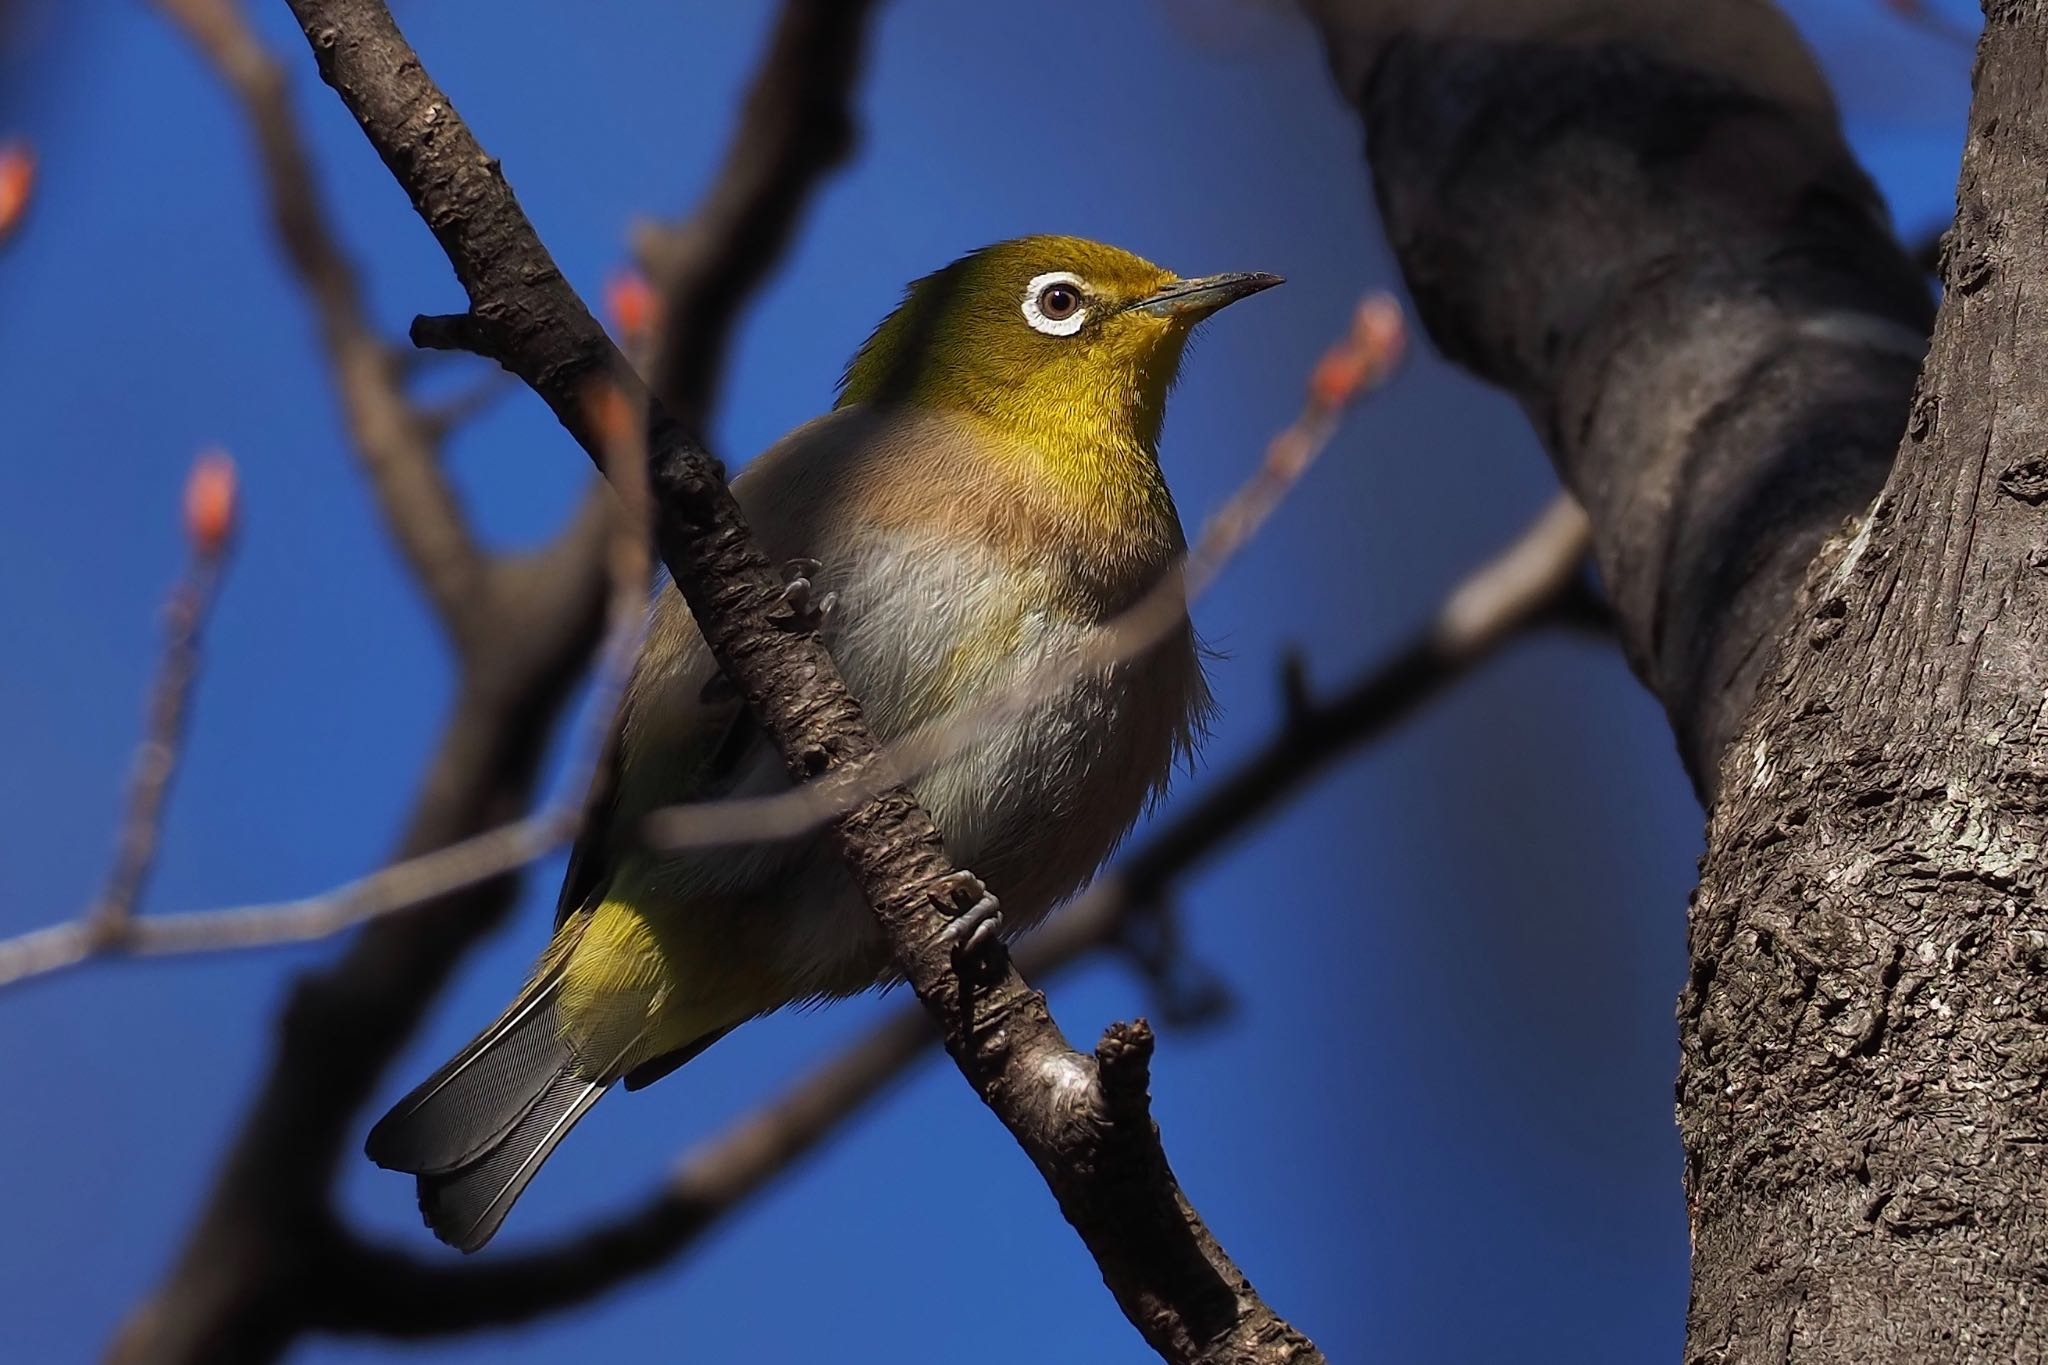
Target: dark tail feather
{"type": "Point", "coordinates": [465, 1206]}
{"type": "Point", "coordinates": [465, 1110]}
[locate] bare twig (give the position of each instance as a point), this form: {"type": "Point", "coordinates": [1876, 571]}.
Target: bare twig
{"type": "Point", "coordinates": [387, 1292]}
{"type": "Point", "coordinates": [1535, 579]}
{"type": "Point", "coordinates": [402, 885]}
{"type": "Point", "coordinates": [109, 920]}
{"type": "Point", "coordinates": [396, 441]}
{"type": "Point", "coordinates": [407, 884]}
{"type": "Point", "coordinates": [156, 757]}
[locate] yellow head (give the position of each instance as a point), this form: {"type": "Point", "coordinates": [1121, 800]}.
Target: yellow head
{"type": "Point", "coordinates": [1063, 342]}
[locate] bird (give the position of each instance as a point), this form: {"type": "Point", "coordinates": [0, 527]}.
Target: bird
{"type": "Point", "coordinates": [984, 494]}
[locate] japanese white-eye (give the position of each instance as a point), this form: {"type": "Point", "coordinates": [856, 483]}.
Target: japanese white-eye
{"type": "Point", "coordinates": [985, 493]}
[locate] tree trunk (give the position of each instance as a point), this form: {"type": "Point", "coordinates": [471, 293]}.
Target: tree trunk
{"type": "Point", "coordinates": [1641, 220]}
{"type": "Point", "coordinates": [1866, 1028]}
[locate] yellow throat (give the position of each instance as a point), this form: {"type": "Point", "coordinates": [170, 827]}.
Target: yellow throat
{"type": "Point", "coordinates": [1066, 346]}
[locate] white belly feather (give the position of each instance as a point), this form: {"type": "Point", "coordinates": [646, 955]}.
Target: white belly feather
{"type": "Point", "coordinates": [925, 623]}
{"type": "Point", "coordinates": [1037, 801]}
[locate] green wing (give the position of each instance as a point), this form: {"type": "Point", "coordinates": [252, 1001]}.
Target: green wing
{"type": "Point", "coordinates": [786, 491]}
{"type": "Point", "coordinates": [716, 747]}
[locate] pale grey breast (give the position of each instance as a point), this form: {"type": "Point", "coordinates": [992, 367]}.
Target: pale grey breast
{"type": "Point", "coordinates": [926, 621]}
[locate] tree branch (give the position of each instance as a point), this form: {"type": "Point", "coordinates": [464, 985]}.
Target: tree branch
{"type": "Point", "coordinates": [1532, 581]}
{"type": "Point", "coordinates": [1109, 1175]}
{"type": "Point", "coordinates": [210, 514]}
{"type": "Point", "coordinates": [1863, 1028]}
{"type": "Point", "coordinates": [384, 1291]}
{"type": "Point", "coordinates": [397, 443]}
{"type": "Point", "coordinates": [1715, 333]}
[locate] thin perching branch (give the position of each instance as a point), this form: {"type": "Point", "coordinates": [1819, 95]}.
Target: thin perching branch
{"type": "Point", "coordinates": [384, 1291]}
{"type": "Point", "coordinates": [1103, 1162]}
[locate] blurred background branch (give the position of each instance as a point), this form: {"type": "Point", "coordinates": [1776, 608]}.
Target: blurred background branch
{"type": "Point", "coordinates": [795, 127]}
{"type": "Point", "coordinates": [523, 628]}
{"type": "Point", "coordinates": [109, 924]}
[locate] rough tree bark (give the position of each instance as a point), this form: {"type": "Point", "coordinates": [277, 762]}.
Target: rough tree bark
{"type": "Point", "coordinates": [1866, 1028]}
{"type": "Point", "coordinates": [1642, 221]}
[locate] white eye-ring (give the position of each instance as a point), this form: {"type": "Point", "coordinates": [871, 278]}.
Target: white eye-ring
{"type": "Point", "coordinates": [1053, 303]}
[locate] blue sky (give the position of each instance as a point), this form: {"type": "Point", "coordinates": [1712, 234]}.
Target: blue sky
{"type": "Point", "coordinates": [1438, 1127]}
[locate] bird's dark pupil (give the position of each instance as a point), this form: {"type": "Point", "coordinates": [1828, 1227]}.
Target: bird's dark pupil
{"type": "Point", "coordinates": [1059, 301]}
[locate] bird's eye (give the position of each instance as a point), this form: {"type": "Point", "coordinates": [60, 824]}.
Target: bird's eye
{"type": "Point", "coordinates": [1056, 303]}
{"type": "Point", "coordinates": [1059, 301]}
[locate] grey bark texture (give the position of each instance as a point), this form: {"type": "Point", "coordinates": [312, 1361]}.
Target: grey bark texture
{"type": "Point", "coordinates": [1866, 1028]}
{"type": "Point", "coordinates": [1641, 220]}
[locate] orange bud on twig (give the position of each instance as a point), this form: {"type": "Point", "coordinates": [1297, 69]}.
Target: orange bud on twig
{"type": "Point", "coordinates": [210, 502]}
{"type": "Point", "coordinates": [634, 309]}
{"type": "Point", "coordinates": [17, 182]}
{"type": "Point", "coordinates": [1362, 359]}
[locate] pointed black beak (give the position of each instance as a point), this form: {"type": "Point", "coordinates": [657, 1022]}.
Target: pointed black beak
{"type": "Point", "coordinates": [1197, 298]}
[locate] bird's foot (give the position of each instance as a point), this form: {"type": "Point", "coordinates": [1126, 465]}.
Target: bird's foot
{"type": "Point", "coordinates": [976, 927]}
{"type": "Point", "coordinates": [802, 606]}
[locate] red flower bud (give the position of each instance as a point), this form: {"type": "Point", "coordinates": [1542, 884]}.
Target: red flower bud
{"type": "Point", "coordinates": [210, 502]}
{"type": "Point", "coordinates": [1362, 359]}
{"type": "Point", "coordinates": [633, 307]}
